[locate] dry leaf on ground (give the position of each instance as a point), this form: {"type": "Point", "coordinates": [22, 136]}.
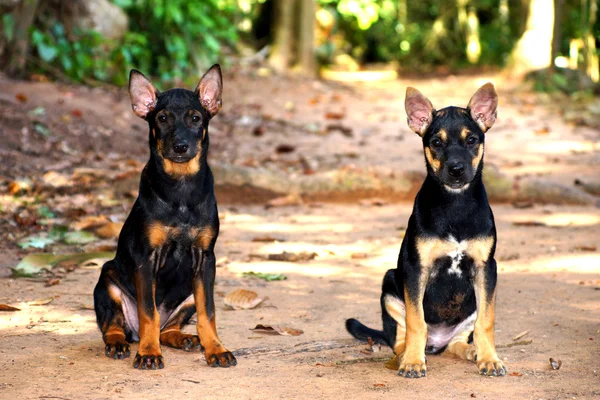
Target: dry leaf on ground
{"type": "Point", "coordinates": [267, 239]}
{"type": "Point", "coordinates": [277, 330]}
{"type": "Point", "coordinates": [109, 230]}
{"type": "Point", "coordinates": [6, 307]}
{"type": "Point", "coordinates": [242, 299]}
{"type": "Point", "coordinates": [292, 257]}
{"type": "Point", "coordinates": [289, 200]}
{"type": "Point", "coordinates": [41, 302]}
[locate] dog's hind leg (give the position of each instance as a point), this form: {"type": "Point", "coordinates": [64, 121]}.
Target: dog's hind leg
{"type": "Point", "coordinates": [108, 304]}
{"type": "Point", "coordinates": [461, 345]}
{"type": "Point", "coordinates": [395, 314]}
{"type": "Point", "coordinates": [171, 335]}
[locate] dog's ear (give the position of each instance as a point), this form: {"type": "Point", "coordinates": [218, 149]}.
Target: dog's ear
{"type": "Point", "coordinates": [210, 89]}
{"type": "Point", "coordinates": [419, 110]}
{"type": "Point", "coordinates": [483, 106]}
{"type": "Point", "coordinates": [143, 94]}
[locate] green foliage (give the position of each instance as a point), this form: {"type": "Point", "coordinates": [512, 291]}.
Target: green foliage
{"type": "Point", "coordinates": [77, 59]}
{"type": "Point", "coordinates": [169, 39]}
{"type": "Point", "coordinates": [175, 39]}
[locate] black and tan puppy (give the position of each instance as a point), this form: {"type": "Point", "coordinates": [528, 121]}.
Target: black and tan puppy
{"type": "Point", "coordinates": [164, 269]}
{"type": "Point", "coordinates": [441, 297]}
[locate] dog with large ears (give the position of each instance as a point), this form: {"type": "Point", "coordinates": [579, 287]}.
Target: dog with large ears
{"type": "Point", "coordinates": [164, 268]}
{"type": "Point", "coordinates": [441, 297]}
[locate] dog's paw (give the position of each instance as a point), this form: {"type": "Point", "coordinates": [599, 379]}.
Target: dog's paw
{"type": "Point", "coordinates": [470, 353]}
{"type": "Point", "coordinates": [191, 343]}
{"type": "Point", "coordinates": [225, 359]}
{"type": "Point", "coordinates": [148, 362]}
{"type": "Point", "coordinates": [491, 366]}
{"type": "Point", "coordinates": [118, 351]}
{"type": "Point", "coordinates": [413, 368]}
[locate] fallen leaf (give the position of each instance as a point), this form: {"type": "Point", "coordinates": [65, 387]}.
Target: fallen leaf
{"type": "Point", "coordinates": [515, 374]}
{"type": "Point", "coordinates": [264, 276]}
{"type": "Point", "coordinates": [344, 130]}
{"type": "Point", "coordinates": [109, 230]}
{"type": "Point", "coordinates": [79, 237]}
{"type": "Point", "coordinates": [89, 222]}
{"type": "Point", "coordinates": [528, 223]}
{"type": "Point", "coordinates": [521, 204]}
{"type": "Point", "coordinates": [267, 239]}
{"type": "Point", "coordinates": [335, 115]}
{"type": "Point", "coordinates": [242, 299]}
{"type": "Point", "coordinates": [56, 180]}
{"type": "Point", "coordinates": [94, 263]}
{"type": "Point", "coordinates": [86, 307]}
{"type": "Point", "coordinates": [42, 129]}
{"type": "Point", "coordinates": [392, 363]}
{"type": "Point", "coordinates": [19, 187]}
{"type": "Point", "coordinates": [285, 148]}
{"type": "Point", "coordinates": [6, 307]}
{"type": "Point", "coordinates": [277, 330]}
{"type": "Point", "coordinates": [21, 97]}
{"type": "Point", "coordinates": [36, 242]}
{"type": "Point", "coordinates": [34, 264]}
{"type": "Point", "coordinates": [292, 257]}
{"type": "Point", "coordinates": [586, 248]}
{"type": "Point", "coordinates": [76, 113]}
{"type": "Point", "coordinates": [542, 131]}
{"type": "Point", "coordinates": [555, 364]}
{"type": "Point", "coordinates": [379, 385]}
{"type": "Point", "coordinates": [289, 200]}
{"type": "Point", "coordinates": [358, 256]}
{"type": "Point", "coordinates": [41, 302]}
{"type": "Point", "coordinates": [52, 282]}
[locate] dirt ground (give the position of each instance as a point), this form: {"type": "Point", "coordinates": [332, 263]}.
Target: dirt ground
{"type": "Point", "coordinates": [549, 264]}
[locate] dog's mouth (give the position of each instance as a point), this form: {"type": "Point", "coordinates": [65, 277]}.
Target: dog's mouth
{"type": "Point", "coordinates": [180, 158]}
{"type": "Point", "coordinates": [456, 184]}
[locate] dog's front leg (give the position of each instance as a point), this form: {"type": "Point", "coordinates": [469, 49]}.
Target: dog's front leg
{"type": "Point", "coordinates": [483, 337]}
{"type": "Point", "coordinates": [148, 355]}
{"type": "Point", "coordinates": [204, 282]}
{"type": "Point", "coordinates": [413, 364]}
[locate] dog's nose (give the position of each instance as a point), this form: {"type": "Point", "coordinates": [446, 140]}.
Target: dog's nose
{"type": "Point", "coordinates": [180, 147]}
{"type": "Point", "coordinates": [456, 169]}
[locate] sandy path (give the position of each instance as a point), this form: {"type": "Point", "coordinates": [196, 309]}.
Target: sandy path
{"type": "Point", "coordinates": [546, 285]}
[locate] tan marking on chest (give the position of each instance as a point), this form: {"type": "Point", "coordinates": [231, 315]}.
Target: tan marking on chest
{"type": "Point", "coordinates": [435, 164]}
{"type": "Point", "coordinates": [203, 236]}
{"type": "Point", "coordinates": [158, 233]}
{"type": "Point", "coordinates": [432, 249]}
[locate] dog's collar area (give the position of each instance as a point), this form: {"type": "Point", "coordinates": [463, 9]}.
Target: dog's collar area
{"type": "Point", "coordinates": [456, 190]}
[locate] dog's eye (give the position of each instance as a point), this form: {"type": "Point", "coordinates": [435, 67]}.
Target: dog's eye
{"type": "Point", "coordinates": [162, 118]}
{"type": "Point", "coordinates": [436, 142]}
{"type": "Point", "coordinates": [471, 140]}
{"type": "Point", "coordinates": [195, 118]}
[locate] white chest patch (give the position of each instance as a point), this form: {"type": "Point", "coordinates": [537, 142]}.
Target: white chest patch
{"type": "Point", "coordinates": [457, 255]}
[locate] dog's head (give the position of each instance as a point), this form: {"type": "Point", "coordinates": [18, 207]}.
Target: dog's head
{"type": "Point", "coordinates": [453, 137]}
{"type": "Point", "coordinates": [178, 118]}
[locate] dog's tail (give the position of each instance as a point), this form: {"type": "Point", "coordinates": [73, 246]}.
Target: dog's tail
{"type": "Point", "coordinates": [363, 332]}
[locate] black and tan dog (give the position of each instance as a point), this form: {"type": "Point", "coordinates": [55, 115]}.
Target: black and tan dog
{"type": "Point", "coordinates": [164, 269]}
{"type": "Point", "coordinates": [441, 297]}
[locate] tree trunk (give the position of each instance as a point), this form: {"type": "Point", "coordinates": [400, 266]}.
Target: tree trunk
{"type": "Point", "coordinates": [15, 58]}
{"type": "Point", "coordinates": [557, 31]}
{"type": "Point", "coordinates": [306, 38]}
{"type": "Point", "coordinates": [589, 42]}
{"type": "Point", "coordinates": [533, 51]}
{"type": "Point", "coordinates": [281, 52]}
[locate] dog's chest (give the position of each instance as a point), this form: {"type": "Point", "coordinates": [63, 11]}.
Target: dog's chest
{"type": "Point", "coordinates": [453, 256]}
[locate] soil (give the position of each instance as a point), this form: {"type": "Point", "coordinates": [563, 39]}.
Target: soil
{"type": "Point", "coordinates": [549, 265]}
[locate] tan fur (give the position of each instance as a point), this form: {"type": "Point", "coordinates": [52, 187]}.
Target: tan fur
{"type": "Point", "coordinates": [416, 333]}
{"type": "Point", "coordinates": [182, 169]}
{"type": "Point", "coordinates": [443, 135]}
{"type": "Point", "coordinates": [157, 234]}
{"type": "Point", "coordinates": [430, 249]}
{"type": "Point", "coordinates": [464, 133]}
{"type": "Point", "coordinates": [206, 326]}
{"type": "Point", "coordinates": [435, 164]}
{"type": "Point", "coordinates": [460, 347]}
{"type": "Point", "coordinates": [204, 237]}
{"type": "Point", "coordinates": [478, 157]}
{"type": "Point", "coordinates": [397, 311]}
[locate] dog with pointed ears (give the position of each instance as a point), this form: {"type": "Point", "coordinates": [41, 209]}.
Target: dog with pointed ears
{"type": "Point", "coordinates": [441, 297]}
{"type": "Point", "coordinates": [164, 268]}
